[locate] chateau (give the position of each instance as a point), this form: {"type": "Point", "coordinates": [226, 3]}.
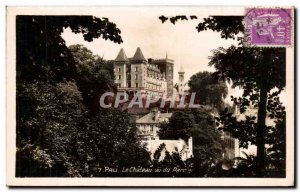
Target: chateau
{"type": "Point", "coordinates": [138, 74]}
{"type": "Point", "coordinates": [156, 75]}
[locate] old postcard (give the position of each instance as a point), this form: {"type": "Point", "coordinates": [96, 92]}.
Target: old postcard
{"type": "Point", "coordinates": [150, 96]}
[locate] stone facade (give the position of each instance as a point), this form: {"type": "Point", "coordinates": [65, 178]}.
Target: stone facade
{"type": "Point", "coordinates": [138, 74]}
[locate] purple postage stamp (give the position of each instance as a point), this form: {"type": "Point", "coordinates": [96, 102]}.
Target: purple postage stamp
{"type": "Point", "coordinates": [268, 27]}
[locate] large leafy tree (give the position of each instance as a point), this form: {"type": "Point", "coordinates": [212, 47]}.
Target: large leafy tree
{"type": "Point", "coordinates": [59, 133]}
{"type": "Point", "coordinates": [40, 47]}
{"type": "Point", "coordinates": [95, 76]}
{"type": "Point", "coordinates": [50, 105]}
{"type": "Point", "coordinates": [45, 139]}
{"type": "Point", "coordinates": [178, 126]}
{"type": "Point", "coordinates": [209, 91]}
{"type": "Point", "coordinates": [256, 70]}
{"type": "Point", "coordinates": [201, 127]}
{"type": "Point", "coordinates": [109, 139]}
{"type": "Point", "coordinates": [42, 55]}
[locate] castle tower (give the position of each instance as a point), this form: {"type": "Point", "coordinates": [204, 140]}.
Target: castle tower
{"type": "Point", "coordinates": [138, 70]}
{"type": "Point", "coordinates": [120, 68]}
{"type": "Point", "coordinates": [166, 67]}
{"type": "Point", "coordinates": [181, 84]}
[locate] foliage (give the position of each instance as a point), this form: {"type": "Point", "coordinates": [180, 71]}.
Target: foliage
{"type": "Point", "coordinates": [58, 133]}
{"type": "Point", "coordinates": [250, 68]}
{"type": "Point", "coordinates": [228, 26]}
{"type": "Point", "coordinates": [178, 126]}
{"type": "Point", "coordinates": [109, 139]}
{"type": "Point", "coordinates": [276, 135]}
{"type": "Point", "coordinates": [257, 71]}
{"type": "Point", "coordinates": [245, 129]}
{"type": "Point", "coordinates": [206, 138]}
{"type": "Point", "coordinates": [42, 50]}
{"type": "Point", "coordinates": [96, 76]}
{"type": "Point", "coordinates": [47, 135]}
{"type": "Point", "coordinates": [209, 91]}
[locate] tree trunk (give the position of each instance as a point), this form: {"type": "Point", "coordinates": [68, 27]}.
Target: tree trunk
{"type": "Point", "coordinates": [260, 140]}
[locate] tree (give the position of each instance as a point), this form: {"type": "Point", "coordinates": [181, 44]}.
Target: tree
{"type": "Point", "coordinates": [208, 90]}
{"type": "Point", "coordinates": [177, 127]}
{"type": "Point", "coordinates": [256, 70]}
{"type": "Point", "coordinates": [49, 104]}
{"type": "Point", "coordinates": [40, 47]}
{"type": "Point", "coordinates": [228, 26]}
{"type": "Point", "coordinates": [45, 141]}
{"type": "Point", "coordinates": [95, 76]}
{"type": "Point", "coordinates": [109, 139]}
{"type": "Point", "coordinates": [207, 147]}
{"type": "Point", "coordinates": [42, 55]}
{"type": "Point", "coordinates": [206, 138]}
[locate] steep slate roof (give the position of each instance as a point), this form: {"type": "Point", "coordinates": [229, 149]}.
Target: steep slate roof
{"type": "Point", "coordinates": [138, 56]}
{"type": "Point", "coordinates": [121, 56]}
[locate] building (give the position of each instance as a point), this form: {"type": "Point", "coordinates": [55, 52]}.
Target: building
{"type": "Point", "coordinates": [148, 130]}
{"type": "Point", "coordinates": [148, 127]}
{"type": "Point", "coordinates": [148, 124]}
{"type": "Point", "coordinates": [138, 74]}
{"type": "Point", "coordinates": [167, 67]}
{"type": "Point", "coordinates": [182, 85]}
{"type": "Point", "coordinates": [230, 147]}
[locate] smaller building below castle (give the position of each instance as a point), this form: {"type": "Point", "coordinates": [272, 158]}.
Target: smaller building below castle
{"type": "Point", "coordinates": [148, 127]}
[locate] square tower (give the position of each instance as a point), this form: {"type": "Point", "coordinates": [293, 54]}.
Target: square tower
{"type": "Point", "coordinates": [120, 69]}
{"type": "Point", "coordinates": [138, 70]}
{"type": "Point", "coordinates": [166, 67]}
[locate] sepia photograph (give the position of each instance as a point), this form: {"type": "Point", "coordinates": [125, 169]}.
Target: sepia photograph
{"type": "Point", "coordinates": [150, 96]}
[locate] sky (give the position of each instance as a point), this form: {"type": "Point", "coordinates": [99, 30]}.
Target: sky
{"type": "Point", "coordinates": [140, 27]}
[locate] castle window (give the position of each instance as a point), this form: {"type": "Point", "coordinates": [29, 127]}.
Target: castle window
{"type": "Point", "coordinates": [119, 77]}
{"type": "Point", "coordinates": [119, 69]}
{"type": "Point", "coordinates": [136, 77]}
{"type": "Point", "coordinates": [136, 68]}
{"type": "Point", "coordinates": [136, 85]}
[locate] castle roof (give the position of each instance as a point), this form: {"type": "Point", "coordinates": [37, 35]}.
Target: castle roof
{"type": "Point", "coordinates": [138, 56]}
{"type": "Point", "coordinates": [121, 56]}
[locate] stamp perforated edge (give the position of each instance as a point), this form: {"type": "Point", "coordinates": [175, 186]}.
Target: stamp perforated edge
{"type": "Point", "coordinates": [292, 27]}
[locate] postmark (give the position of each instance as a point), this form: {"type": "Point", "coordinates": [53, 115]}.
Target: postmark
{"type": "Point", "coordinates": [268, 27]}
